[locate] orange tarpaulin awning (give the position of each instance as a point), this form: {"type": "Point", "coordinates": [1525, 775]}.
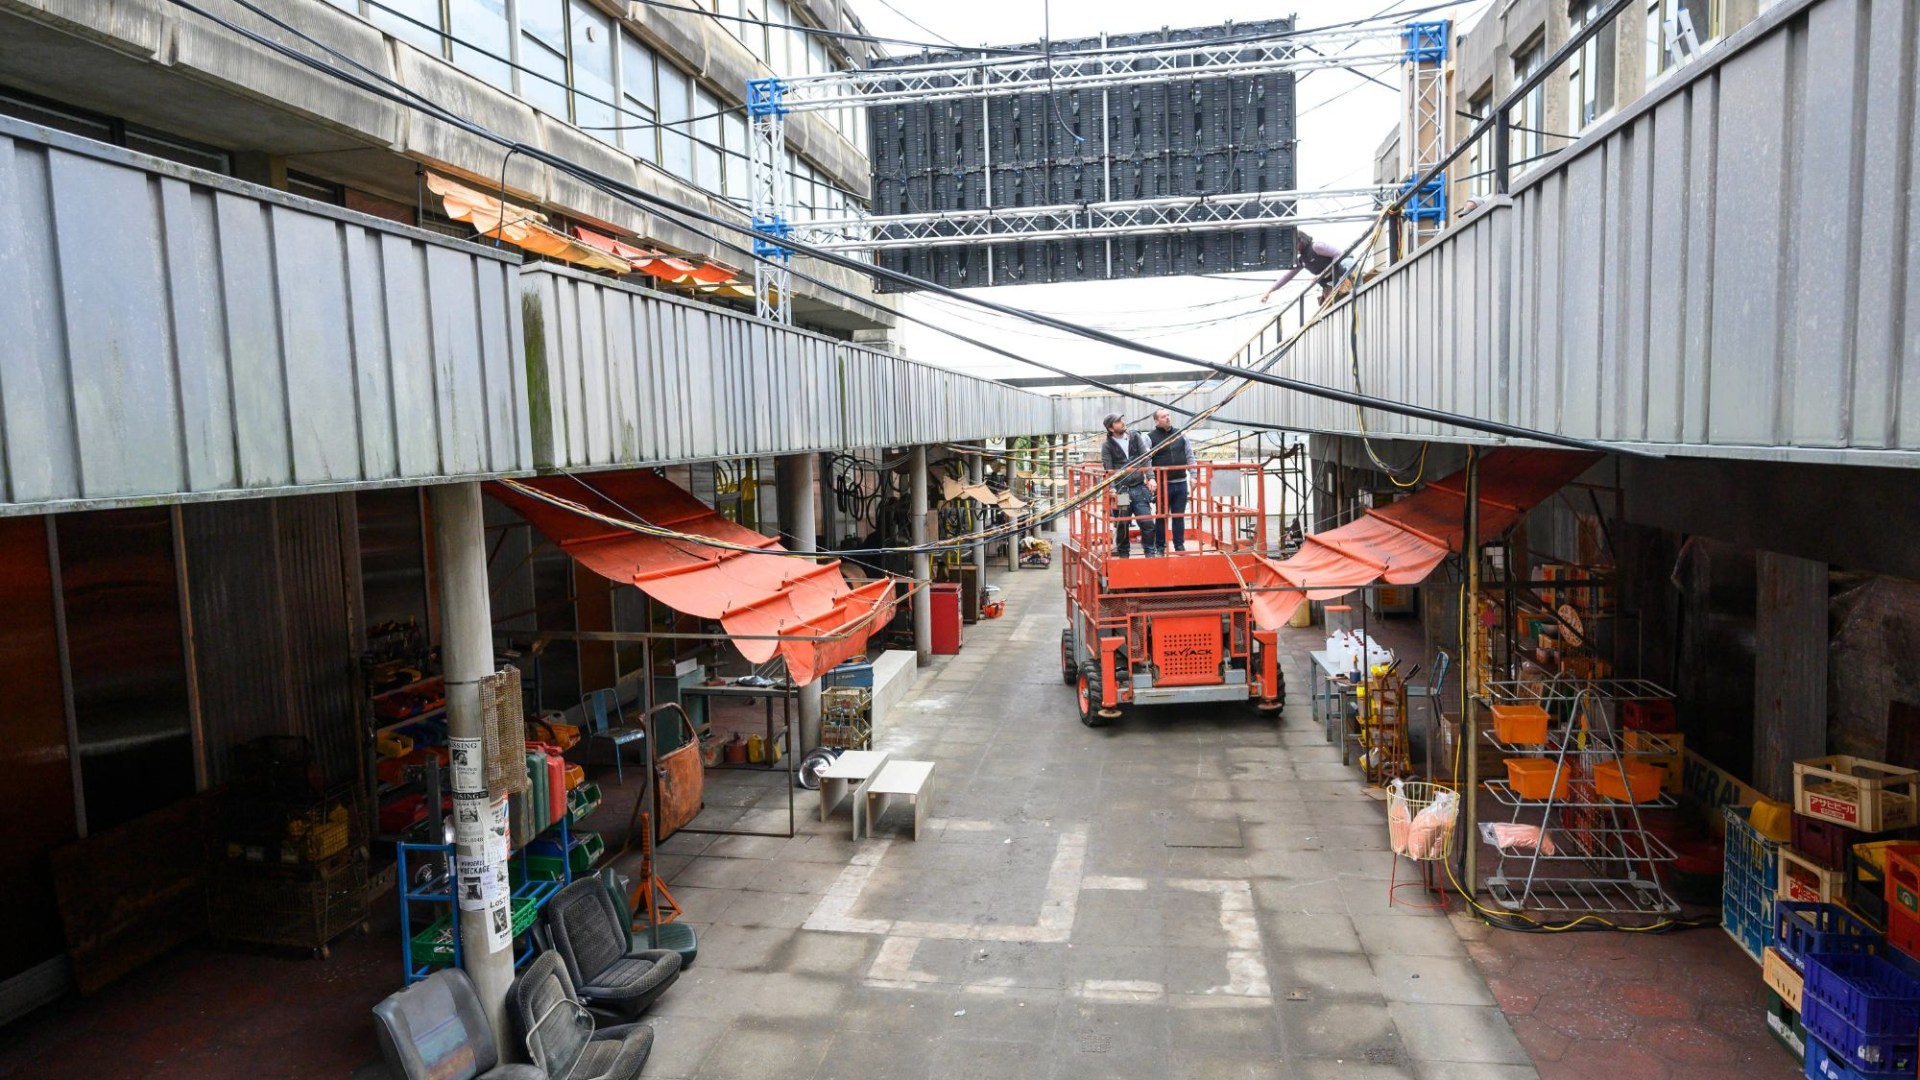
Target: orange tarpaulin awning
{"type": "Point", "coordinates": [1402, 543]}
{"type": "Point", "coordinates": [517, 225]}
{"type": "Point", "coordinates": [757, 594]}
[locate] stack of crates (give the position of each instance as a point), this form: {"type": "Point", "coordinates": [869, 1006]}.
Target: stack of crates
{"type": "Point", "coordinates": [1746, 901]}
{"type": "Point", "coordinates": [1842, 964]}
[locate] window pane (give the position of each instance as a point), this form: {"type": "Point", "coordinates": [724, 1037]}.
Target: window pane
{"type": "Point", "coordinates": [543, 82]}
{"type": "Point", "coordinates": [676, 148]}
{"type": "Point", "coordinates": [483, 24]}
{"type": "Point", "coordinates": [736, 163]}
{"type": "Point", "coordinates": [593, 96]}
{"type": "Point", "coordinates": [706, 150]}
{"type": "Point", "coordinates": [638, 97]}
{"type": "Point", "coordinates": [416, 22]}
{"type": "Point", "coordinates": [545, 20]}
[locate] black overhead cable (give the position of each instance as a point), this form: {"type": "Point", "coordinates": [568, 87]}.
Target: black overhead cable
{"type": "Point", "coordinates": [630, 193]}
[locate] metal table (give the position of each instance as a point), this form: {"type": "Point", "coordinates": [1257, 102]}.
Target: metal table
{"type": "Point", "coordinates": [786, 694]}
{"type": "Point", "coordinates": [1331, 692]}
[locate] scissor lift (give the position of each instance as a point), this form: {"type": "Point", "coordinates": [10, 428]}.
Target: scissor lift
{"type": "Point", "coordinates": [1172, 628]}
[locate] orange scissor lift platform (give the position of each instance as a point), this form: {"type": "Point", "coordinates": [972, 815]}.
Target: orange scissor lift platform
{"type": "Point", "coordinates": [1171, 628]}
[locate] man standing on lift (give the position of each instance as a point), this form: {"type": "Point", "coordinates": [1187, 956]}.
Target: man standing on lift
{"type": "Point", "coordinates": [1171, 454]}
{"type": "Point", "coordinates": [1133, 491]}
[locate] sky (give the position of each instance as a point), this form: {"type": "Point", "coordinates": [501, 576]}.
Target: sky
{"type": "Point", "coordinates": [1342, 119]}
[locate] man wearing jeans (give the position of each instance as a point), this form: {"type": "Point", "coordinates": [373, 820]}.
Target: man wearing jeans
{"type": "Point", "coordinates": [1171, 456]}
{"type": "Point", "coordinates": [1133, 491]}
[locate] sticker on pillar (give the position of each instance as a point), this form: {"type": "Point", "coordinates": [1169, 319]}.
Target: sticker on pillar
{"type": "Point", "coordinates": [499, 838]}
{"type": "Point", "coordinates": [469, 773]}
{"type": "Point", "coordinates": [471, 823]}
{"type": "Point", "coordinates": [500, 910]}
{"type": "Point", "coordinates": [477, 884]}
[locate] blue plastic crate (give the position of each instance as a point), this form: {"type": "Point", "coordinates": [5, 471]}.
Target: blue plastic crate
{"type": "Point", "coordinates": [1865, 1009]}
{"type": "Point", "coordinates": [852, 673]}
{"type": "Point", "coordinates": [1862, 1054]}
{"type": "Point", "coordinates": [1802, 929]}
{"type": "Point", "coordinates": [1746, 902]}
{"type": "Point", "coordinates": [1824, 1064]}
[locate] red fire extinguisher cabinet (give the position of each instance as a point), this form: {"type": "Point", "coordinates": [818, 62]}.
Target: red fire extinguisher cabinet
{"type": "Point", "coordinates": [945, 601]}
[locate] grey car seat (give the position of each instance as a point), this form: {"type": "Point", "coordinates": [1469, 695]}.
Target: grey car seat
{"type": "Point", "coordinates": [559, 1033]}
{"type": "Point", "coordinates": [591, 938]}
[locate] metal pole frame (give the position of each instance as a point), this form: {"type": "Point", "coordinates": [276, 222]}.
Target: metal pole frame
{"type": "Point", "coordinates": [770, 198]}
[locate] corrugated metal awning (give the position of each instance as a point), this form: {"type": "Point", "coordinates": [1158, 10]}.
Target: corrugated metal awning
{"type": "Point", "coordinates": [774, 602]}
{"type": "Point", "coordinates": [1402, 543]}
{"type": "Point", "coordinates": [520, 226]}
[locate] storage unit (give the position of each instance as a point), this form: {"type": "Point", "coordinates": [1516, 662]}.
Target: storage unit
{"type": "Point", "coordinates": [944, 602]}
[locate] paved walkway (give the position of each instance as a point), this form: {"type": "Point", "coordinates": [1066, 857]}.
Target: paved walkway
{"type": "Point", "coordinates": [1189, 893]}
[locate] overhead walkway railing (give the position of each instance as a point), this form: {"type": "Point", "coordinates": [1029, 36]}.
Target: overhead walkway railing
{"type": "Point", "coordinates": [1714, 271]}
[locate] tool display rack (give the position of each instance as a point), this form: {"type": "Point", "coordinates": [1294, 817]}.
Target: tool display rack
{"type": "Point", "coordinates": [528, 898]}
{"type": "Point", "coordinates": [1604, 860]}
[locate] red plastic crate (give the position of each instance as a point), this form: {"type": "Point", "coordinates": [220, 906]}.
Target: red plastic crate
{"type": "Point", "coordinates": [1656, 716]}
{"type": "Point", "coordinates": [1824, 841]}
{"type": "Point", "coordinates": [1903, 881]}
{"type": "Point", "coordinates": [1903, 932]}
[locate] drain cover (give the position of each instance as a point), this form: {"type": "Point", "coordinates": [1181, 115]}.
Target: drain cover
{"type": "Point", "coordinates": [1092, 1043]}
{"type": "Point", "coordinates": [1299, 994]}
{"type": "Point", "coordinates": [1383, 1055]}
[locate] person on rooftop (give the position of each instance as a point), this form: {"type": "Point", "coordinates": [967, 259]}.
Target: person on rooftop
{"type": "Point", "coordinates": [1318, 256]}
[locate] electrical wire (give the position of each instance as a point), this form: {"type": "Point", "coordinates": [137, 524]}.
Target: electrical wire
{"type": "Point", "coordinates": [922, 27]}
{"type": "Point", "coordinates": [843, 35]}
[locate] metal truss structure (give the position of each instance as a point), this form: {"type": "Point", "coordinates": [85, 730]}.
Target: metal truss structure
{"type": "Point", "coordinates": [1424, 124]}
{"type": "Point", "coordinates": [770, 101]}
{"type": "Point", "coordinates": [1095, 220]}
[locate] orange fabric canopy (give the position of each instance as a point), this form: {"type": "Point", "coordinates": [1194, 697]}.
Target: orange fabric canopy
{"type": "Point", "coordinates": [1402, 543]}
{"type": "Point", "coordinates": [517, 225]}
{"type": "Point", "coordinates": [660, 265]}
{"type": "Point", "coordinates": [755, 593]}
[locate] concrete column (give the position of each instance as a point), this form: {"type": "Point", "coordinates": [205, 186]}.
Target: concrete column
{"type": "Point", "coordinates": [977, 474]}
{"type": "Point", "coordinates": [1790, 668]}
{"type": "Point", "coordinates": [1013, 535]}
{"type": "Point", "coordinates": [797, 510]}
{"type": "Point", "coordinates": [829, 513]}
{"type": "Point", "coordinates": [466, 645]}
{"type": "Point", "coordinates": [922, 562]}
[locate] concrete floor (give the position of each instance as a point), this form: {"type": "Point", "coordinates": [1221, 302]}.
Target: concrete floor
{"type": "Point", "coordinates": [1188, 893]}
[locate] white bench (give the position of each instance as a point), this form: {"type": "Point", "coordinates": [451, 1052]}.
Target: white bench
{"type": "Point", "coordinates": [913, 779]}
{"type": "Point", "coordinates": [855, 767]}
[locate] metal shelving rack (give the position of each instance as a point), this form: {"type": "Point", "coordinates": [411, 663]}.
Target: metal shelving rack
{"type": "Point", "coordinates": [1604, 861]}
{"type": "Point", "coordinates": [440, 892]}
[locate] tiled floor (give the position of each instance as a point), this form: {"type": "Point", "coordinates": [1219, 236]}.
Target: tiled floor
{"type": "Point", "coordinates": [1189, 893]}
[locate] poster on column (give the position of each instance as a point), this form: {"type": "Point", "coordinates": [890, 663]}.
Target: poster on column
{"type": "Point", "coordinates": [477, 883]}
{"type": "Point", "coordinates": [463, 756]}
{"type": "Point", "coordinates": [500, 906]}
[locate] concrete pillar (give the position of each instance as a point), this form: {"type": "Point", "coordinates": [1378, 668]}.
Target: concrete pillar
{"type": "Point", "coordinates": [466, 645]}
{"type": "Point", "coordinates": [1013, 534]}
{"type": "Point", "coordinates": [977, 474]}
{"type": "Point", "coordinates": [829, 512]}
{"type": "Point", "coordinates": [797, 510]}
{"type": "Point", "coordinates": [1790, 668]}
{"type": "Point", "coordinates": [922, 562]}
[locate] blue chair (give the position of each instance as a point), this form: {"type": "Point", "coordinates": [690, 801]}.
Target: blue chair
{"type": "Point", "coordinates": [605, 722]}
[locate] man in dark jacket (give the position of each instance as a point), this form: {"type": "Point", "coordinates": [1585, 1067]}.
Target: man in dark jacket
{"type": "Point", "coordinates": [1133, 491]}
{"type": "Point", "coordinates": [1171, 456]}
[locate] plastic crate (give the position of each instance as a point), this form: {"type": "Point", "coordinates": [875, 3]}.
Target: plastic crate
{"type": "Point", "coordinates": [434, 945]}
{"type": "Point", "coordinates": [1865, 882]}
{"type": "Point", "coordinates": [1867, 795]}
{"type": "Point", "coordinates": [583, 801]}
{"type": "Point", "coordinates": [1801, 930]}
{"type": "Point", "coordinates": [1802, 879]}
{"type": "Point", "coordinates": [1902, 886]}
{"type": "Point", "coordinates": [1783, 980]}
{"type": "Point", "coordinates": [1821, 1063]}
{"type": "Point", "coordinates": [1823, 841]}
{"type": "Point", "coordinates": [1783, 1022]}
{"type": "Point", "coordinates": [1865, 1009]}
{"type": "Point", "coordinates": [1746, 896]}
{"type": "Point", "coordinates": [1903, 934]}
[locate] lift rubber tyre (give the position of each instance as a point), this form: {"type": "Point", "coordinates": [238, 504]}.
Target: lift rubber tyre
{"type": "Point", "coordinates": [1069, 671]}
{"type": "Point", "coordinates": [1090, 698]}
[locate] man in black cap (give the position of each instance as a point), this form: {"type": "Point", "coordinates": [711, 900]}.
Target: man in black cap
{"type": "Point", "coordinates": [1133, 491]}
{"type": "Point", "coordinates": [1171, 456]}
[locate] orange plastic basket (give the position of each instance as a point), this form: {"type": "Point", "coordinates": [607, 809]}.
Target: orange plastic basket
{"type": "Point", "coordinates": [1638, 782]}
{"type": "Point", "coordinates": [1532, 778]}
{"type": "Point", "coordinates": [1520, 725]}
